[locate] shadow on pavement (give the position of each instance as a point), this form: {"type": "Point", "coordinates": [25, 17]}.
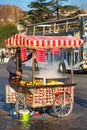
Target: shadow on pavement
{"type": "Point", "coordinates": [80, 101]}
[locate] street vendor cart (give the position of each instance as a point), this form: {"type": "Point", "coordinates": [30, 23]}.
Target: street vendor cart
{"type": "Point", "coordinates": [43, 92]}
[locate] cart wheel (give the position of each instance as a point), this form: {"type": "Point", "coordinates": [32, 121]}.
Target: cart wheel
{"type": "Point", "coordinates": [62, 105]}
{"type": "Point", "coordinates": [20, 103]}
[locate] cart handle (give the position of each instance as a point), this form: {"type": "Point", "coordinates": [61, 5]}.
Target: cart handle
{"type": "Point", "coordinates": [25, 75]}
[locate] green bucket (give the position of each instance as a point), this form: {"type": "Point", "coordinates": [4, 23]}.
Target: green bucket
{"type": "Point", "coordinates": [25, 124]}
{"type": "Point", "coordinates": [24, 115]}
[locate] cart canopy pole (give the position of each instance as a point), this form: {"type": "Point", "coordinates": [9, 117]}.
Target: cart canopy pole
{"type": "Point", "coordinates": [17, 59]}
{"type": "Point", "coordinates": [33, 53]}
{"type": "Point", "coordinates": [72, 73]}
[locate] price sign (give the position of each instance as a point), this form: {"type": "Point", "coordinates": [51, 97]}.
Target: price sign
{"type": "Point", "coordinates": [55, 51]}
{"type": "Point", "coordinates": [23, 54]}
{"type": "Point", "coordinates": [41, 55]}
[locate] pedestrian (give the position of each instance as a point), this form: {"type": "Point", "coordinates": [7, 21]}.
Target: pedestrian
{"type": "Point", "coordinates": [2, 57]}
{"type": "Point", "coordinates": [14, 67]}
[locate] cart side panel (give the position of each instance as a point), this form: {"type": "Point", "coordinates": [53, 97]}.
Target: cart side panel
{"type": "Point", "coordinates": [44, 96]}
{"type": "Point", "coordinates": [11, 94]}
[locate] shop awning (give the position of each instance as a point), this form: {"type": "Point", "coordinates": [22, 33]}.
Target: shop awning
{"type": "Point", "coordinates": [34, 42]}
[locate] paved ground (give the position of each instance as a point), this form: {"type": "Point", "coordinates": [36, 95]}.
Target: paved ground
{"type": "Point", "coordinates": [77, 120]}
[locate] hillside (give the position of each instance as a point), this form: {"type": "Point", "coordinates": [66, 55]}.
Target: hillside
{"type": "Point", "coordinates": [10, 14]}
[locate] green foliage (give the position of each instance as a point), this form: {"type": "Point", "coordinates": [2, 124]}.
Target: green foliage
{"type": "Point", "coordinates": [56, 4]}
{"type": "Point", "coordinates": [7, 31]}
{"type": "Point", "coordinates": [46, 10]}
{"type": "Point", "coordinates": [22, 21]}
{"type": "Point", "coordinates": [69, 8]}
{"type": "Point", "coordinates": [41, 11]}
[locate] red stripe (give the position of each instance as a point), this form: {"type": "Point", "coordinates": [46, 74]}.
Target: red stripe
{"type": "Point", "coordinates": [59, 43]}
{"type": "Point", "coordinates": [74, 43]}
{"type": "Point", "coordinates": [65, 43]}
{"type": "Point", "coordinates": [37, 43]}
{"type": "Point", "coordinates": [48, 43]}
{"type": "Point", "coordinates": [43, 44]}
{"type": "Point", "coordinates": [54, 43]}
{"type": "Point", "coordinates": [31, 43]}
{"type": "Point", "coordinates": [69, 43]}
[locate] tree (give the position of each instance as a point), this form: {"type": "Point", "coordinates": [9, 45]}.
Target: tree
{"type": "Point", "coordinates": [6, 31]}
{"type": "Point", "coordinates": [68, 11]}
{"type": "Point", "coordinates": [41, 11]}
{"type": "Point", "coordinates": [56, 6]}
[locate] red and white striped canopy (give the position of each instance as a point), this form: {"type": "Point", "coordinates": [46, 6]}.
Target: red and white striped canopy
{"type": "Point", "coordinates": [34, 42]}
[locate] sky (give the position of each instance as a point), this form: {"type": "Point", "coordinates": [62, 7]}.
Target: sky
{"type": "Point", "coordinates": [23, 3]}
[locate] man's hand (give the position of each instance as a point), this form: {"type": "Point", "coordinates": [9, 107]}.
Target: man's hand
{"type": "Point", "coordinates": [18, 73]}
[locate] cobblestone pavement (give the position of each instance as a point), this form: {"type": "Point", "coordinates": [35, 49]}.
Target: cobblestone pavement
{"type": "Point", "coordinates": [77, 120]}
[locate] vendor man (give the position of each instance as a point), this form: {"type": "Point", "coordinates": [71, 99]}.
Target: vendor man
{"type": "Point", "coordinates": [14, 66]}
